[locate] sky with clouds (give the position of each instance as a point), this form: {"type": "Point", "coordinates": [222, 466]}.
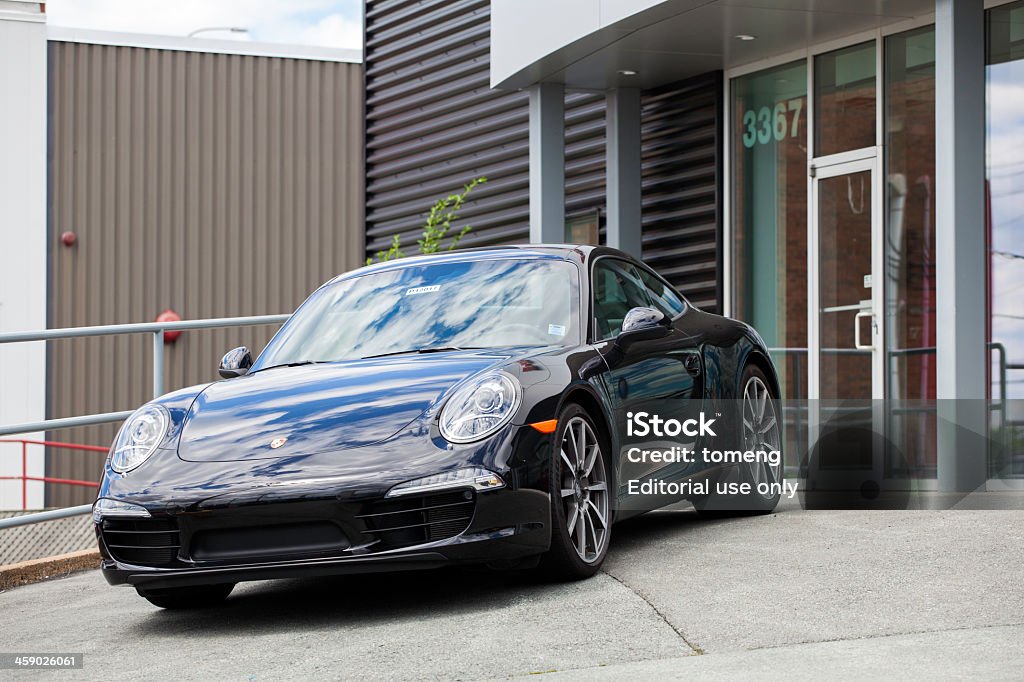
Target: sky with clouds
{"type": "Point", "coordinates": [329, 23]}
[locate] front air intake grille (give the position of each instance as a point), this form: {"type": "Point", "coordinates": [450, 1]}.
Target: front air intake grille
{"type": "Point", "coordinates": [142, 542]}
{"type": "Point", "coordinates": [417, 519]}
{"type": "Point", "coordinates": [321, 538]}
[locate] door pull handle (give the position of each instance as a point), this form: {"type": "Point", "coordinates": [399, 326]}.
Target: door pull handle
{"type": "Point", "coordinates": [856, 330]}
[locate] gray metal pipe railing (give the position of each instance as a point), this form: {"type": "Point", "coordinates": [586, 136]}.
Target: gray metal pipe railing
{"type": "Point", "coordinates": [157, 329]}
{"type": "Point", "coordinates": [49, 515]}
{"type": "Point", "coordinates": [139, 328]}
{"type": "Point", "coordinates": [64, 423]}
{"type": "Point", "coordinates": [999, 348]}
{"type": "Point", "coordinates": [800, 356]}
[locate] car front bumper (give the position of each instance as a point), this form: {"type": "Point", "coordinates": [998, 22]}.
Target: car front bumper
{"type": "Point", "coordinates": [231, 544]}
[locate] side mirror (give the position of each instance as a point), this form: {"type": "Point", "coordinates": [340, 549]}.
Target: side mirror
{"type": "Point", "coordinates": [235, 363]}
{"type": "Point", "coordinates": [643, 324]}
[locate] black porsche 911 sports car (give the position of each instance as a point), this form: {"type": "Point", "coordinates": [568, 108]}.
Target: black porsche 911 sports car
{"type": "Point", "coordinates": [473, 406]}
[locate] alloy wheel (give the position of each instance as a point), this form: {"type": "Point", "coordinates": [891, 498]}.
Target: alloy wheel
{"type": "Point", "coordinates": [584, 489]}
{"type": "Point", "coordinates": [761, 432]}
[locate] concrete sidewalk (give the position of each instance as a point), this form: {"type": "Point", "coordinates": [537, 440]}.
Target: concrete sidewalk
{"type": "Point", "coordinates": [828, 594]}
{"type": "Point", "coordinates": [977, 653]}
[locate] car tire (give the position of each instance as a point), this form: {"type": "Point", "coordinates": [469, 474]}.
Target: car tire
{"type": "Point", "coordinates": [192, 597]}
{"type": "Point", "coordinates": [581, 498]}
{"type": "Point", "coordinates": [754, 393]}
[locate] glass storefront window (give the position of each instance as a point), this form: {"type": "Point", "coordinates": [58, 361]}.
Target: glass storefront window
{"type": "Point", "coordinates": [769, 200]}
{"type": "Point", "coordinates": [1004, 186]}
{"type": "Point", "coordinates": [910, 302]}
{"type": "Point", "coordinates": [844, 99]}
{"type": "Point", "coordinates": [769, 186]}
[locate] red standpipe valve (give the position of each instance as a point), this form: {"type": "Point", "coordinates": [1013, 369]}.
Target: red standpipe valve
{"type": "Point", "coordinates": [170, 316]}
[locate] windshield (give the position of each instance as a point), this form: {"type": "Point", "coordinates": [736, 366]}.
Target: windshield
{"type": "Point", "coordinates": [469, 304]}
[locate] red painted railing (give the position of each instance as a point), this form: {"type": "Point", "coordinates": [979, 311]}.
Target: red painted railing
{"type": "Point", "coordinates": [25, 478]}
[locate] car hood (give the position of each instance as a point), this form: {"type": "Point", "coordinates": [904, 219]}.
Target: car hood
{"type": "Point", "coordinates": [320, 408]}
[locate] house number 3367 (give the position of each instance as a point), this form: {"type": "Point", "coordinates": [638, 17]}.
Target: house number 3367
{"type": "Point", "coordinates": [763, 125]}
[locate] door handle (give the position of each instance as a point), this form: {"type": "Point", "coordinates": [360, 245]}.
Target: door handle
{"type": "Point", "coordinates": [692, 364]}
{"type": "Point", "coordinates": [856, 330]}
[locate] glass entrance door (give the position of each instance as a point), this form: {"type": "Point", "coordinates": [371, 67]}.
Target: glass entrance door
{"type": "Point", "coordinates": [845, 330]}
{"type": "Point", "coordinates": [845, 335]}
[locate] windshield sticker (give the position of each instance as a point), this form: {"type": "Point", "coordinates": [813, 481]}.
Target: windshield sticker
{"type": "Point", "coordinates": [423, 290]}
{"type": "Point", "coordinates": [556, 330]}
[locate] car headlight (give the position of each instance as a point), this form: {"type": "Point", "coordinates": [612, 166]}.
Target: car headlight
{"type": "Point", "coordinates": [139, 437]}
{"type": "Point", "coordinates": [479, 408]}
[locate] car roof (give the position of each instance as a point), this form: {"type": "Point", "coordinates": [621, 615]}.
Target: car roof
{"type": "Point", "coordinates": [579, 253]}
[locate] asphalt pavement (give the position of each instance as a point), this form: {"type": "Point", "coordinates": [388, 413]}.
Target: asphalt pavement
{"type": "Point", "coordinates": [797, 595]}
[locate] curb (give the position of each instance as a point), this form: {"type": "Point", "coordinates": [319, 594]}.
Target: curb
{"type": "Point", "coordinates": [36, 570]}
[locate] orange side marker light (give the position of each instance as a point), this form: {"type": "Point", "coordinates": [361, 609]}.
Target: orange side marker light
{"type": "Point", "coordinates": [546, 426]}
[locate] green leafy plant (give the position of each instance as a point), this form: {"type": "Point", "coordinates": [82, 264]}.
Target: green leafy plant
{"type": "Point", "coordinates": [439, 223]}
{"type": "Point", "coordinates": [394, 251]}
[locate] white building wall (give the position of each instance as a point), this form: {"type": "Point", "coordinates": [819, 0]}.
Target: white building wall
{"type": "Point", "coordinates": [23, 151]}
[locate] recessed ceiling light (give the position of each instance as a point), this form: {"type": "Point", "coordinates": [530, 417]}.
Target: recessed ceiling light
{"type": "Point", "coordinates": [745, 37]}
{"type": "Point", "coordinates": [627, 72]}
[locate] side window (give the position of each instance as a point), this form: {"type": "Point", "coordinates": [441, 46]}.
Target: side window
{"type": "Point", "coordinates": [662, 296]}
{"type": "Point", "coordinates": [617, 289]}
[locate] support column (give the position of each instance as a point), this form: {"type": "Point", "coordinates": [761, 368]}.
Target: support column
{"type": "Point", "coordinates": [623, 168]}
{"type": "Point", "coordinates": [547, 163]}
{"type": "Point", "coordinates": [960, 250]}
{"type": "Point", "coordinates": [22, 236]}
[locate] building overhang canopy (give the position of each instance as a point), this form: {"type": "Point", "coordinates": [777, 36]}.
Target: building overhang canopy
{"type": "Point", "coordinates": [604, 44]}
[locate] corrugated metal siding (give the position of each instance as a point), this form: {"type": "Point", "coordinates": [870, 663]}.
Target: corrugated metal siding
{"type": "Point", "coordinates": [433, 124]}
{"type": "Point", "coordinates": [215, 185]}
{"type": "Point", "coordinates": [682, 187]}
